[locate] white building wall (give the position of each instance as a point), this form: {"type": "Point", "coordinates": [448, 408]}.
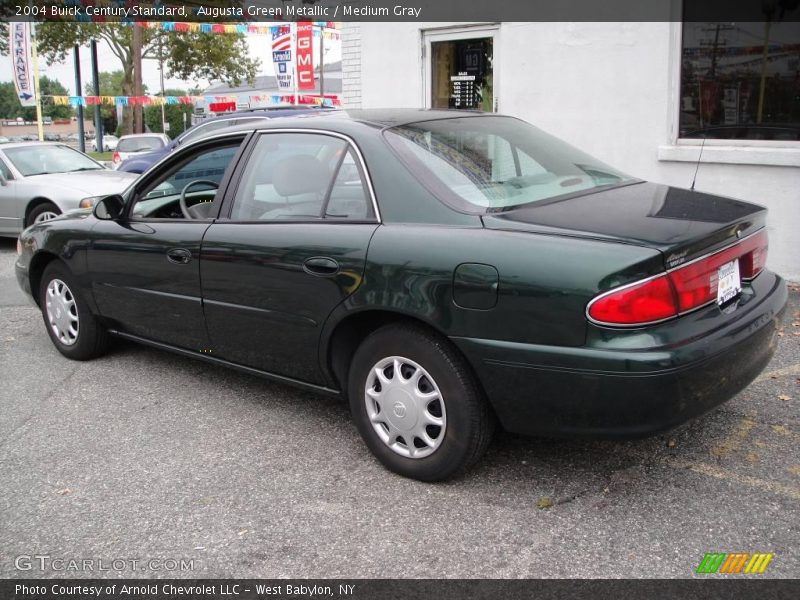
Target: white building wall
{"type": "Point", "coordinates": [608, 88]}
{"type": "Point", "coordinates": [351, 65]}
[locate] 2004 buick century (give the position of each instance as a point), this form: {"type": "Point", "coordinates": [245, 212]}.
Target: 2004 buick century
{"type": "Point", "coordinates": [442, 270]}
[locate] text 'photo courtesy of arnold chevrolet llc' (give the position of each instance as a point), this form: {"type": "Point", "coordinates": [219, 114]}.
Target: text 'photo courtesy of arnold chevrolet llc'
{"type": "Point", "coordinates": [275, 287]}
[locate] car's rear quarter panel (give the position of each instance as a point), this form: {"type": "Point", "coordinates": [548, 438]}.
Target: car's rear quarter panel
{"type": "Point", "coordinates": [544, 282]}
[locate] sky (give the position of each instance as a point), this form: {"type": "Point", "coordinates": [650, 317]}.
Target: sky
{"type": "Point", "coordinates": [64, 72]}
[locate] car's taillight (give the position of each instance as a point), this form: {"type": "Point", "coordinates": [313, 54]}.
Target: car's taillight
{"type": "Point", "coordinates": [754, 258]}
{"type": "Point", "coordinates": [680, 290]}
{"type": "Point", "coordinates": [644, 302]}
{"type": "Point", "coordinates": [115, 158]}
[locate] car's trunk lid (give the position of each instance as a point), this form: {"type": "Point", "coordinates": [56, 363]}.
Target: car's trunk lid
{"type": "Point", "coordinates": [682, 224]}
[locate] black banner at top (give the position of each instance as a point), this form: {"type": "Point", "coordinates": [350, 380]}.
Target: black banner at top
{"type": "Point", "coordinates": [242, 11]}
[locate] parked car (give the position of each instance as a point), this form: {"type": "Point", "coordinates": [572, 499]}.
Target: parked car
{"type": "Point", "coordinates": [142, 162]}
{"type": "Point", "coordinates": [41, 180]}
{"type": "Point", "coordinates": [109, 143]}
{"type": "Point", "coordinates": [439, 269]}
{"type": "Point", "coordinates": [4, 139]}
{"type": "Point", "coordinates": [137, 143]}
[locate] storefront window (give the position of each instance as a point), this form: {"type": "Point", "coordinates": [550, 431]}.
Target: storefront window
{"type": "Point", "coordinates": [741, 81]}
{"type": "Point", "coordinates": [462, 74]}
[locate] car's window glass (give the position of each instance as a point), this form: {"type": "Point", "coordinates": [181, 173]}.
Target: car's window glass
{"type": "Point", "coordinates": [160, 198]}
{"type": "Point", "coordinates": [348, 197]}
{"type": "Point", "coordinates": [299, 176]}
{"type": "Point", "coordinates": [5, 170]}
{"type": "Point", "coordinates": [482, 164]}
{"type": "Point", "coordinates": [41, 160]}
{"type": "Point", "coordinates": [140, 144]}
{"type": "Point", "coordinates": [206, 129]}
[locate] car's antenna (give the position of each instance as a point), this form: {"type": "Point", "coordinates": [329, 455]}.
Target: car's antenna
{"type": "Point", "coordinates": [697, 167]}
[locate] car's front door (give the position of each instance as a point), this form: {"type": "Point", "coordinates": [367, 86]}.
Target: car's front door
{"type": "Point", "coordinates": [10, 210]}
{"type": "Point", "coordinates": [289, 246]}
{"type": "Point", "coordinates": [145, 267]}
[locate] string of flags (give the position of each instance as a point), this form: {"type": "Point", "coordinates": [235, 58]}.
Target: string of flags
{"type": "Point", "coordinates": [329, 29]}
{"type": "Point", "coordinates": [250, 99]}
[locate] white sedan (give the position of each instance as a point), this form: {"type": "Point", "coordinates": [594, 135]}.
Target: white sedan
{"type": "Point", "coordinates": [109, 143]}
{"type": "Point", "coordinates": [41, 180]}
{"type": "Point", "coordinates": [137, 143]}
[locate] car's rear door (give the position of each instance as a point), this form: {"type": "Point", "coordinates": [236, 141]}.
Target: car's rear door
{"type": "Point", "coordinates": [145, 268]}
{"type": "Point", "coordinates": [289, 246]}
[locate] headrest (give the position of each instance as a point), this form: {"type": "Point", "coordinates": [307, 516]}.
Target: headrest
{"type": "Point", "coordinates": [301, 174]}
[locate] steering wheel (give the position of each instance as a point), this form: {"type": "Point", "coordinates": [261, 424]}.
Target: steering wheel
{"type": "Point", "coordinates": [188, 210]}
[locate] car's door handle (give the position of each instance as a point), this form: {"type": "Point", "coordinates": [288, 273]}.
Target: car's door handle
{"type": "Point", "coordinates": [179, 256]}
{"type": "Point", "coordinates": [321, 266]}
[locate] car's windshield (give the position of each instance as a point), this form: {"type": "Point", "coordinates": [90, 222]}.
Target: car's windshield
{"type": "Point", "coordinates": [486, 164]}
{"type": "Point", "coordinates": [140, 144]}
{"type": "Point", "coordinates": [42, 160]}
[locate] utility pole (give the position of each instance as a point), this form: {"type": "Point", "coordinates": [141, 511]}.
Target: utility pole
{"type": "Point", "coordinates": [36, 91]}
{"type": "Point", "coordinates": [98, 123]}
{"type": "Point", "coordinates": [137, 78]}
{"type": "Point", "coordinates": [79, 92]}
{"type": "Point", "coordinates": [163, 96]}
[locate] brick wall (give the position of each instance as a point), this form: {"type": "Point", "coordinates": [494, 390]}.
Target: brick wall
{"type": "Point", "coordinates": [351, 65]}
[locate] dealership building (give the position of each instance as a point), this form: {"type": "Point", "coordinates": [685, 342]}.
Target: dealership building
{"type": "Point", "coordinates": [646, 98]}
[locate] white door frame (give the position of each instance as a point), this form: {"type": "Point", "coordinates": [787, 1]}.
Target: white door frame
{"type": "Point", "coordinates": [460, 32]}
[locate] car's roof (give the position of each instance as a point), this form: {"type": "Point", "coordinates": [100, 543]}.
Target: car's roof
{"type": "Point", "coordinates": [267, 112]}
{"type": "Point", "coordinates": [136, 135]}
{"type": "Point", "coordinates": [392, 117]}
{"type": "Point", "coordinates": [376, 117]}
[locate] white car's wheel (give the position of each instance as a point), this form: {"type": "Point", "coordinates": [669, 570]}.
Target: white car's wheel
{"type": "Point", "coordinates": [44, 212]}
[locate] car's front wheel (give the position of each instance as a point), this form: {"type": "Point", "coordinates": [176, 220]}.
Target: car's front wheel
{"type": "Point", "coordinates": [417, 405]}
{"type": "Point", "coordinates": [74, 330]}
{"type": "Point", "coordinates": [45, 211]}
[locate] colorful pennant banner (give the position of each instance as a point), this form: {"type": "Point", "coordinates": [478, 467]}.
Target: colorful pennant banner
{"type": "Point", "coordinates": [235, 99]}
{"type": "Point", "coordinates": [329, 29]}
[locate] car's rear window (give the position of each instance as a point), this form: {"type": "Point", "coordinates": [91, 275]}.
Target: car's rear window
{"type": "Point", "coordinates": [140, 144]}
{"type": "Point", "coordinates": [486, 164]}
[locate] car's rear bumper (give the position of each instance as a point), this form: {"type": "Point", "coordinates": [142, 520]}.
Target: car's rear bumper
{"type": "Point", "coordinates": [632, 383]}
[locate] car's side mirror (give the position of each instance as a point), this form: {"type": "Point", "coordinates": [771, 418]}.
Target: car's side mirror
{"type": "Point", "coordinates": [109, 208]}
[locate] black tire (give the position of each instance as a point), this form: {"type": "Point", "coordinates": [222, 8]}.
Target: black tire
{"type": "Point", "coordinates": [469, 423]}
{"type": "Point", "coordinates": [45, 207]}
{"type": "Point", "coordinates": [92, 339]}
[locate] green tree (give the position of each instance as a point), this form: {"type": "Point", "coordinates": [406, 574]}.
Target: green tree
{"type": "Point", "coordinates": [111, 84]}
{"type": "Point", "coordinates": [173, 114]}
{"type": "Point", "coordinates": [10, 108]}
{"type": "Point", "coordinates": [185, 54]}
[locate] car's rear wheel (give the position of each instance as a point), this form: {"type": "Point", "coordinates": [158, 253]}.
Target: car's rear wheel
{"type": "Point", "coordinates": [417, 405]}
{"type": "Point", "coordinates": [74, 330]}
{"type": "Point", "coordinates": [43, 212]}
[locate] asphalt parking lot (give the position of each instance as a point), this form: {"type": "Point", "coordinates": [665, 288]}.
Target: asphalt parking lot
{"type": "Point", "coordinates": [150, 456]}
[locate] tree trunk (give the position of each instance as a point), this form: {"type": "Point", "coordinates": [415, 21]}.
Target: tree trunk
{"type": "Point", "coordinates": [127, 90]}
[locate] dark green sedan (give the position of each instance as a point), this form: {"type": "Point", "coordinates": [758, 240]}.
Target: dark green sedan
{"type": "Point", "coordinates": [444, 271]}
